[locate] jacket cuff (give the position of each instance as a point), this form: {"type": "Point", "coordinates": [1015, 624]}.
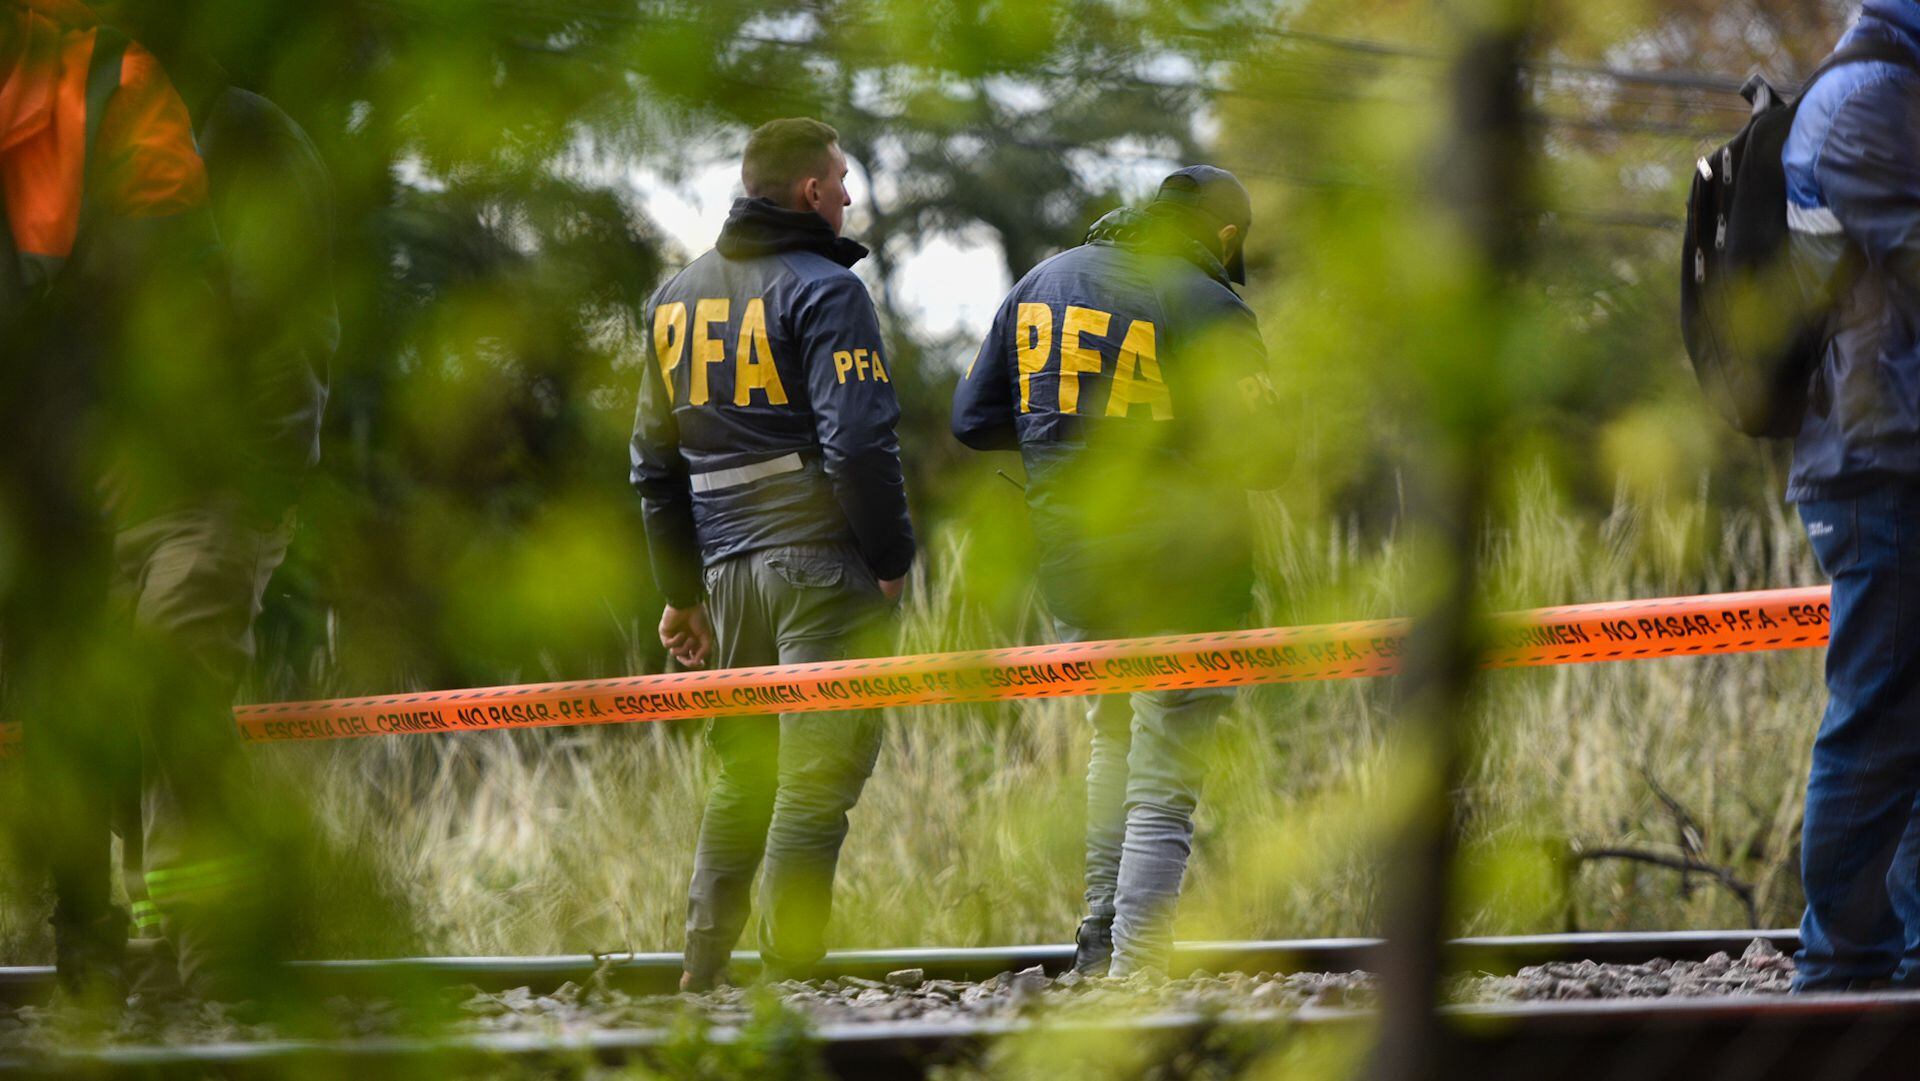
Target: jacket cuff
{"type": "Point", "coordinates": [681, 598]}
{"type": "Point", "coordinates": [894, 561]}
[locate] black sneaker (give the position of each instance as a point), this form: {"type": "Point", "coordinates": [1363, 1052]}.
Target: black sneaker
{"type": "Point", "coordinates": [1093, 946]}
{"type": "Point", "coordinates": [90, 960]}
{"type": "Point", "coordinates": [153, 972]}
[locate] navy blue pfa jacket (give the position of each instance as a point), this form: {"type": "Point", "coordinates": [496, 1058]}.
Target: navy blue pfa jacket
{"type": "Point", "coordinates": [1853, 207]}
{"type": "Point", "coordinates": [1133, 380]}
{"type": "Point", "coordinates": [767, 411]}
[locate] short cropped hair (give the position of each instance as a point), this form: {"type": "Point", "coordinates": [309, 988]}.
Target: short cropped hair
{"type": "Point", "coordinates": [781, 153]}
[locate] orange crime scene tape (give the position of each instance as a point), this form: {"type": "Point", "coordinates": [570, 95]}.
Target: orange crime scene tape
{"type": "Point", "coordinates": [1573, 634]}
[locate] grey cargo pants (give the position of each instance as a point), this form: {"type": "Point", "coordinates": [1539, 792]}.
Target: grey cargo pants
{"type": "Point", "coordinates": [1144, 777]}
{"type": "Point", "coordinates": [785, 784]}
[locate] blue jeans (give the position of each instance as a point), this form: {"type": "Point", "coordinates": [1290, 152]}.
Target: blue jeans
{"type": "Point", "coordinates": [1144, 775]}
{"type": "Point", "coordinates": [1860, 848]}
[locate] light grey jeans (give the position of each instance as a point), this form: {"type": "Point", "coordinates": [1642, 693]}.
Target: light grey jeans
{"type": "Point", "coordinates": [785, 783]}
{"type": "Point", "coordinates": [1143, 782]}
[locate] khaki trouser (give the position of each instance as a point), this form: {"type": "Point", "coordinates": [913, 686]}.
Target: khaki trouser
{"type": "Point", "coordinates": [192, 583]}
{"type": "Point", "coordinates": [785, 784]}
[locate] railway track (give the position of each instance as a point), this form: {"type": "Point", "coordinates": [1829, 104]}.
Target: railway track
{"type": "Point", "coordinates": [659, 973]}
{"type": "Point", "coordinates": [1876, 1035]}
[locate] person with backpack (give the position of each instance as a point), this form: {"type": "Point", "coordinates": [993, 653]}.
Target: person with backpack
{"type": "Point", "coordinates": [1133, 381]}
{"type": "Point", "coordinates": [1852, 173]}
{"type": "Point", "coordinates": [769, 476]}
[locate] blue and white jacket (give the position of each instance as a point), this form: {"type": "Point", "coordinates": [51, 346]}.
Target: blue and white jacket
{"type": "Point", "coordinates": [1853, 193]}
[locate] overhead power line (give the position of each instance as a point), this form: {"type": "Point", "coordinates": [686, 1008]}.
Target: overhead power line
{"type": "Point", "coordinates": [1680, 79]}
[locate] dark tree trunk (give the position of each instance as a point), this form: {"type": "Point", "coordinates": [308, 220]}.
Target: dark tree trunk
{"type": "Point", "coordinates": [1486, 169]}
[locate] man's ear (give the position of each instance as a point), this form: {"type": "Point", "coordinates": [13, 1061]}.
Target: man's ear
{"type": "Point", "coordinates": [1228, 233]}
{"type": "Point", "coordinates": [807, 194]}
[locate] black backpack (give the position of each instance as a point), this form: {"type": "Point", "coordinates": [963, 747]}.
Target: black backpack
{"type": "Point", "coordinates": [1754, 341]}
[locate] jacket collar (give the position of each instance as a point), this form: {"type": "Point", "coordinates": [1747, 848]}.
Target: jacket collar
{"type": "Point", "coordinates": [1137, 230]}
{"type": "Point", "coordinates": [1900, 16]}
{"type": "Point", "coordinates": [757, 227]}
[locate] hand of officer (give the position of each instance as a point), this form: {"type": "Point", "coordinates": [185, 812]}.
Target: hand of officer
{"type": "Point", "coordinates": [891, 588]}
{"type": "Point", "coordinates": [687, 634]}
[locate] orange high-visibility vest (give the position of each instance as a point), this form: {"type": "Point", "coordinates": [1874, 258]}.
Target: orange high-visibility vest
{"type": "Point", "coordinates": [87, 120]}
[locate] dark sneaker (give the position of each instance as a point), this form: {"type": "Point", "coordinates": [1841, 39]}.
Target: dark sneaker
{"type": "Point", "coordinates": [1093, 946]}
{"type": "Point", "coordinates": [90, 960]}
{"type": "Point", "coordinates": [153, 972]}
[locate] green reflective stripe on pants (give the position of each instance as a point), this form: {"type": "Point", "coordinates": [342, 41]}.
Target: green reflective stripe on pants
{"type": "Point", "coordinates": [195, 879]}
{"type": "Point", "coordinates": [146, 915]}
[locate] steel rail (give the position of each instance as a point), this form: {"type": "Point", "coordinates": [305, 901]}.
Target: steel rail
{"type": "Point", "coordinates": [1827, 1036]}
{"type": "Point", "coordinates": [658, 973]}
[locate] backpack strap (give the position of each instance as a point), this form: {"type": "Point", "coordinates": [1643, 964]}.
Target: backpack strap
{"type": "Point", "coordinates": [103, 80]}
{"type": "Point", "coordinates": [13, 285]}
{"type": "Point", "coordinates": [1763, 95]}
{"type": "Point", "coordinates": [1868, 49]}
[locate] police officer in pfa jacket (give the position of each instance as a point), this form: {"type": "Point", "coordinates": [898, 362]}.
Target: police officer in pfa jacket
{"type": "Point", "coordinates": [1133, 381]}
{"type": "Point", "coordinates": [1852, 164]}
{"type": "Point", "coordinates": [769, 474]}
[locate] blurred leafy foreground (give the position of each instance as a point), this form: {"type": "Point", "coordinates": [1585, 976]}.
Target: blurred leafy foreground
{"type": "Point", "coordinates": [580, 840]}
{"type": "Point", "coordinates": [470, 525]}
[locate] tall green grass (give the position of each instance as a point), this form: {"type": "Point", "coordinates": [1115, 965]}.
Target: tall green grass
{"type": "Point", "coordinates": [969, 831]}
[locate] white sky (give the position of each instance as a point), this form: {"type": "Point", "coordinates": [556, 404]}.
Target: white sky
{"type": "Point", "coordinates": [948, 282]}
{"type": "Point", "coordinates": [945, 283]}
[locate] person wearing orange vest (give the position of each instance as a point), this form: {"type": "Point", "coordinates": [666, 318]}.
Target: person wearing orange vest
{"type": "Point", "coordinates": [192, 564]}
{"type": "Point", "coordinates": [104, 219]}
{"type": "Point", "coordinates": [85, 115]}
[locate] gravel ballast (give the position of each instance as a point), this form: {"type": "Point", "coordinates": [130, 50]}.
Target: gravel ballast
{"type": "Point", "coordinates": [908, 995]}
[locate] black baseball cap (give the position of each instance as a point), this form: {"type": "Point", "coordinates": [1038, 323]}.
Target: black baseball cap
{"type": "Point", "coordinates": [1218, 194]}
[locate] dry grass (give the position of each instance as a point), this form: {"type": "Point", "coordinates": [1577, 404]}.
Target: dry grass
{"type": "Point", "coordinates": [969, 831]}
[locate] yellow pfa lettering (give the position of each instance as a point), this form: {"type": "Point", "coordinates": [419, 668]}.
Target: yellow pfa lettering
{"type": "Point", "coordinates": [862, 364]}
{"type": "Point", "coordinates": [707, 349]}
{"type": "Point", "coordinates": [669, 341]}
{"type": "Point", "coordinates": [1033, 341]}
{"type": "Point", "coordinates": [1076, 359]}
{"type": "Point", "coordinates": [753, 367]}
{"type": "Point", "coordinates": [1136, 376]}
